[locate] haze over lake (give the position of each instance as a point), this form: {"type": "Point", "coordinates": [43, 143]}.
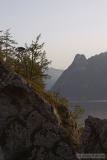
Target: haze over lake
{"type": "Point", "coordinates": [92, 108]}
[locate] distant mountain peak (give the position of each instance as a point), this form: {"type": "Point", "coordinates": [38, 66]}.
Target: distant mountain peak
{"type": "Point", "coordinates": [84, 79]}
{"type": "Point", "coordinates": [79, 56]}
{"type": "Point", "coordinates": [79, 59]}
{"type": "Point", "coordinates": [79, 62]}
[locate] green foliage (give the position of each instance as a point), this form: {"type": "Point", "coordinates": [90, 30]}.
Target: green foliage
{"type": "Point", "coordinates": [29, 61]}
{"type": "Point", "coordinates": [7, 45]}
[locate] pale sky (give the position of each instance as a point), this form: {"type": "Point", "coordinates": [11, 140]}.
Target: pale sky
{"type": "Point", "coordinates": [67, 26]}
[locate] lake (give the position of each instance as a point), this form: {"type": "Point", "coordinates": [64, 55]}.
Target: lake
{"type": "Point", "coordinates": [93, 108]}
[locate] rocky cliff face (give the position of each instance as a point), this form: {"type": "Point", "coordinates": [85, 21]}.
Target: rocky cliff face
{"type": "Point", "coordinates": [29, 129]}
{"type": "Point", "coordinates": [94, 138]}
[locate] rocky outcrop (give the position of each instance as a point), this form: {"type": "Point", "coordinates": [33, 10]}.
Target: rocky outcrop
{"type": "Point", "coordinates": [29, 129]}
{"type": "Point", "coordinates": [94, 138]}
{"type": "Point", "coordinates": [79, 63]}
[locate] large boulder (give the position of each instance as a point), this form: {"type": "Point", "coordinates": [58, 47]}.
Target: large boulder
{"type": "Point", "coordinates": [94, 138]}
{"type": "Point", "coordinates": [29, 130]}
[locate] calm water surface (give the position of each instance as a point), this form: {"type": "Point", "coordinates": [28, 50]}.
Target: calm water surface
{"type": "Point", "coordinates": [93, 108]}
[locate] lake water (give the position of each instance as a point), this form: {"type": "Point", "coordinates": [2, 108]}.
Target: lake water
{"type": "Point", "coordinates": [93, 108]}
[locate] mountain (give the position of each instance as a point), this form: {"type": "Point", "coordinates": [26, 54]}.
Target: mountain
{"type": "Point", "coordinates": [54, 74]}
{"type": "Point", "coordinates": [84, 79]}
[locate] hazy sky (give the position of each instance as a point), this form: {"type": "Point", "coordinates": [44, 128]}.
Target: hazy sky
{"type": "Point", "coordinates": [67, 26]}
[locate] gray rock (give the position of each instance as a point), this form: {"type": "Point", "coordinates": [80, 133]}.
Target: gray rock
{"type": "Point", "coordinates": [29, 129]}
{"type": "Point", "coordinates": [94, 138]}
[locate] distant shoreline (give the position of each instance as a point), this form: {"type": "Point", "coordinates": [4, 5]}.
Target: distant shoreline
{"type": "Point", "coordinates": [89, 101]}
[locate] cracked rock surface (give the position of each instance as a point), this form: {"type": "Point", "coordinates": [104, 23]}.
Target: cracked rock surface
{"type": "Point", "coordinates": [94, 138]}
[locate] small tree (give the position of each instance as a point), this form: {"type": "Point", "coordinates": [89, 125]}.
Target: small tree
{"type": "Point", "coordinates": [8, 43]}
{"type": "Point", "coordinates": [7, 46]}
{"type": "Point", "coordinates": [1, 43]}
{"type": "Point", "coordinates": [31, 61]}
